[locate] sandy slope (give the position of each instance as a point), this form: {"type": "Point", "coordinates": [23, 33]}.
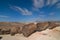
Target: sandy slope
{"type": "Point", "coordinates": [44, 35]}
{"type": "Point", "coordinates": [16, 37]}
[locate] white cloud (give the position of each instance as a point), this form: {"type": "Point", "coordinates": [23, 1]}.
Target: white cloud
{"type": "Point", "coordinates": [51, 2]}
{"type": "Point", "coordinates": [3, 16]}
{"type": "Point", "coordinates": [27, 12]}
{"type": "Point", "coordinates": [54, 1]}
{"type": "Point", "coordinates": [38, 3]}
{"type": "Point", "coordinates": [23, 11]}
{"type": "Point", "coordinates": [48, 2]}
{"type": "Point", "coordinates": [58, 5]}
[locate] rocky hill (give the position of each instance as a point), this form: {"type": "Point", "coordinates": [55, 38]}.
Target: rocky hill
{"type": "Point", "coordinates": [26, 29]}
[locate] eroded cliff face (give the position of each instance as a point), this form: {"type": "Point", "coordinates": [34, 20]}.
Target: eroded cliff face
{"type": "Point", "coordinates": [53, 34]}
{"type": "Point", "coordinates": [26, 29]}
{"type": "Point", "coordinates": [42, 26]}
{"type": "Point", "coordinates": [29, 29]}
{"type": "Point", "coordinates": [32, 28]}
{"type": "Point", "coordinates": [10, 28]}
{"type": "Point", "coordinates": [48, 34]}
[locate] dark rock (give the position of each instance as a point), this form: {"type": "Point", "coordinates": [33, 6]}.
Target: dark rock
{"type": "Point", "coordinates": [20, 30]}
{"type": "Point", "coordinates": [42, 26]}
{"type": "Point", "coordinates": [29, 29]}
{"type": "Point", "coordinates": [0, 37]}
{"type": "Point", "coordinates": [5, 30]}
{"type": "Point", "coordinates": [52, 25]}
{"type": "Point", "coordinates": [14, 30]}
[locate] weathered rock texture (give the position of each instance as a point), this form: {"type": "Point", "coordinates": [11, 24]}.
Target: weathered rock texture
{"type": "Point", "coordinates": [10, 28]}
{"type": "Point", "coordinates": [42, 26]}
{"type": "Point", "coordinates": [29, 29]}
{"type": "Point", "coordinates": [26, 29]}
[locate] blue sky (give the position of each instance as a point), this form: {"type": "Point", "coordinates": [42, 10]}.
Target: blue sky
{"type": "Point", "coordinates": [29, 10]}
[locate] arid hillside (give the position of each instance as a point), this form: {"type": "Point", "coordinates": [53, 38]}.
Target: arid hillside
{"type": "Point", "coordinates": [10, 27]}
{"type": "Point", "coordinates": [26, 29]}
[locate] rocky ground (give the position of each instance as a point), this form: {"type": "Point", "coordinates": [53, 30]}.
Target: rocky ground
{"type": "Point", "coordinates": [47, 34]}
{"type": "Point", "coordinates": [16, 37]}
{"type": "Point", "coordinates": [31, 31]}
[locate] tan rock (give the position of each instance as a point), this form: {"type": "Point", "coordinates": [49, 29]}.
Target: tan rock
{"type": "Point", "coordinates": [14, 30]}
{"type": "Point", "coordinates": [29, 29]}
{"type": "Point", "coordinates": [42, 26]}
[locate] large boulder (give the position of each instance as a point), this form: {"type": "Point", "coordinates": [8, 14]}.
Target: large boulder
{"type": "Point", "coordinates": [29, 29]}
{"type": "Point", "coordinates": [52, 25]}
{"type": "Point", "coordinates": [5, 30]}
{"type": "Point", "coordinates": [20, 29]}
{"type": "Point", "coordinates": [14, 30]}
{"type": "Point", "coordinates": [42, 26]}
{"type": "Point", "coordinates": [0, 30]}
